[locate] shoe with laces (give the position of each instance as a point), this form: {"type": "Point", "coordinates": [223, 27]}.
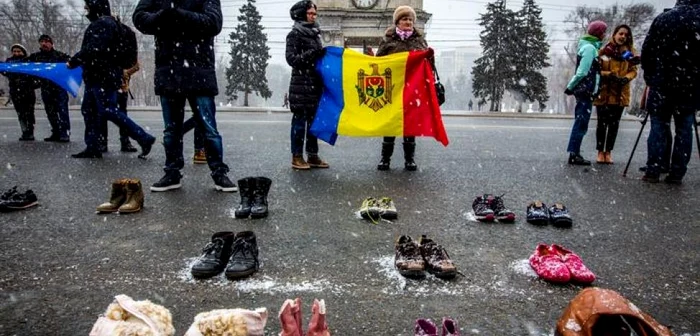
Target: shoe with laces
{"type": "Point", "coordinates": [314, 161]}
{"type": "Point", "coordinates": [482, 209]}
{"type": "Point", "coordinates": [214, 256]}
{"type": "Point", "coordinates": [244, 257]}
{"type": "Point", "coordinates": [8, 194]}
{"type": "Point", "coordinates": [408, 259]}
{"type": "Point", "coordinates": [537, 213]}
{"type": "Point", "coordinates": [437, 261]}
{"type": "Point", "coordinates": [14, 201]}
{"type": "Point", "coordinates": [387, 209]}
{"type": "Point", "coordinates": [559, 216]}
{"type": "Point", "coordinates": [370, 209]}
{"type": "Point", "coordinates": [502, 213]}
{"type": "Point", "coordinates": [425, 327]}
{"type": "Point", "coordinates": [223, 183]}
{"type": "Point", "coordinates": [170, 181]}
{"type": "Point", "coordinates": [578, 160]}
{"type": "Point", "coordinates": [200, 157]}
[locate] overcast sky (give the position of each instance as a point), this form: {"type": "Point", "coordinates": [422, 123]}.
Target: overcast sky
{"type": "Point", "coordinates": [453, 25]}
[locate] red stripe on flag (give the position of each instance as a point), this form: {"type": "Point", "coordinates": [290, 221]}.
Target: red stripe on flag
{"type": "Point", "coordinates": [420, 105]}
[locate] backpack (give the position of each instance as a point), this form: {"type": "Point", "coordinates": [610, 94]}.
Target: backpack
{"type": "Point", "coordinates": [127, 50]}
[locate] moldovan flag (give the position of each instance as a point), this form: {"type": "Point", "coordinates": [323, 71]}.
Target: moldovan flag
{"type": "Point", "coordinates": [369, 96]}
{"type": "Point", "coordinates": [68, 79]}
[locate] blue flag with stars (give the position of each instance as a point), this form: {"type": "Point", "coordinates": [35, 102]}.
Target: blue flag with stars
{"type": "Point", "coordinates": [68, 79]}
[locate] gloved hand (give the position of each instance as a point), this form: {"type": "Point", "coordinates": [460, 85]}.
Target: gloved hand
{"type": "Point", "coordinates": [636, 60]}
{"type": "Point", "coordinates": [321, 53]}
{"type": "Point", "coordinates": [568, 92]}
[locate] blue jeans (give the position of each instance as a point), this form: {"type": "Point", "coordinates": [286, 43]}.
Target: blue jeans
{"type": "Point", "coordinates": [173, 117]}
{"type": "Point", "coordinates": [301, 126]}
{"type": "Point", "coordinates": [578, 131]}
{"type": "Point", "coordinates": [99, 104]}
{"type": "Point", "coordinates": [657, 147]}
{"type": "Point", "coordinates": [56, 105]}
{"type": "Point", "coordinates": [192, 124]}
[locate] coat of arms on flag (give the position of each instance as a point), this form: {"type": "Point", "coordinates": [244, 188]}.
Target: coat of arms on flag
{"type": "Point", "coordinates": [374, 90]}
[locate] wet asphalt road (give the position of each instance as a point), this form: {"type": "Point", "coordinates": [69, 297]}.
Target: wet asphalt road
{"type": "Point", "coordinates": [61, 264]}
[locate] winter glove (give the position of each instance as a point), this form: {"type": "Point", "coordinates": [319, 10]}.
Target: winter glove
{"type": "Point", "coordinates": [568, 92]}
{"type": "Point", "coordinates": [636, 60]}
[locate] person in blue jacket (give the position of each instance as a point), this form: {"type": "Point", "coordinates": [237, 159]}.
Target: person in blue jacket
{"type": "Point", "coordinates": [584, 87]}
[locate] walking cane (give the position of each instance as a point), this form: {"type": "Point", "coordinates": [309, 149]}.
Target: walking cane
{"type": "Point", "coordinates": [643, 107]}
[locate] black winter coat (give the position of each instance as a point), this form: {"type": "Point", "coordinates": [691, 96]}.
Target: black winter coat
{"type": "Point", "coordinates": [303, 50]}
{"type": "Point", "coordinates": [53, 56]}
{"type": "Point", "coordinates": [184, 38]}
{"type": "Point", "coordinates": [671, 54]}
{"type": "Point", "coordinates": [21, 86]}
{"type": "Point", "coordinates": [97, 53]}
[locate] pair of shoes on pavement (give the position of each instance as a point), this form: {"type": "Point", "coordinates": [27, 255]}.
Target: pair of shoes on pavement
{"type": "Point", "coordinates": [577, 160]}
{"type": "Point", "coordinates": [604, 158]}
{"type": "Point", "coordinates": [539, 214]}
{"type": "Point", "coordinates": [126, 197]}
{"type": "Point", "coordinates": [291, 320]}
{"type": "Point", "coordinates": [426, 327]}
{"type": "Point", "coordinates": [14, 200]}
{"type": "Point", "coordinates": [171, 181]}
{"type": "Point", "coordinates": [488, 208]}
{"type": "Point", "coordinates": [413, 258]}
{"type": "Point", "coordinates": [374, 209]}
{"type": "Point", "coordinates": [236, 253]}
{"type": "Point", "coordinates": [253, 192]}
{"type": "Point", "coordinates": [559, 265]}
{"type": "Point", "coordinates": [313, 161]}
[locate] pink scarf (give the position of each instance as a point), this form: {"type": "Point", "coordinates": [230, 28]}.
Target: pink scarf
{"type": "Point", "coordinates": [403, 34]}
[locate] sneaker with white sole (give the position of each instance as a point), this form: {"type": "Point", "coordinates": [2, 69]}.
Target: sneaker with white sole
{"type": "Point", "coordinates": [170, 181]}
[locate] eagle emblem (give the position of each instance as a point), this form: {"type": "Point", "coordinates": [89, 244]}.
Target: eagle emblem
{"type": "Point", "coordinates": [374, 90]}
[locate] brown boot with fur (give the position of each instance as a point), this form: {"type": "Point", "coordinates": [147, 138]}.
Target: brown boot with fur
{"type": "Point", "coordinates": [134, 197]}
{"type": "Point", "coordinates": [116, 198]}
{"type": "Point", "coordinates": [316, 162]}
{"type": "Point", "coordinates": [299, 163]}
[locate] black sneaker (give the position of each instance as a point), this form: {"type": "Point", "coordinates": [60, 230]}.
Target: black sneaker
{"type": "Point", "coordinates": [482, 208]}
{"type": "Point", "coordinates": [214, 256]}
{"type": "Point", "coordinates": [170, 181]}
{"type": "Point", "coordinates": [244, 258]}
{"type": "Point", "coordinates": [559, 215]}
{"type": "Point", "coordinates": [87, 154]}
{"type": "Point", "coordinates": [18, 201]}
{"type": "Point", "coordinates": [537, 213]}
{"type": "Point", "coordinates": [673, 179]}
{"type": "Point", "coordinates": [578, 160]}
{"type": "Point", "coordinates": [146, 147]}
{"type": "Point", "coordinates": [223, 183]}
{"type": "Point", "coordinates": [500, 211]}
{"type": "Point", "coordinates": [8, 194]}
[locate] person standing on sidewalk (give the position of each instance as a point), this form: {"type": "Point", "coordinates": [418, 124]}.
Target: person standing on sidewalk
{"type": "Point", "coordinates": [670, 60]}
{"type": "Point", "coordinates": [618, 66]}
{"type": "Point", "coordinates": [185, 70]}
{"type": "Point", "coordinates": [584, 87]}
{"type": "Point", "coordinates": [22, 93]}
{"type": "Point", "coordinates": [54, 97]}
{"type": "Point", "coordinates": [303, 49]}
{"type": "Point", "coordinates": [102, 74]}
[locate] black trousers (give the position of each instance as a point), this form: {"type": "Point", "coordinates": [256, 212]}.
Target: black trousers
{"type": "Point", "coordinates": [24, 106]}
{"type": "Point", "coordinates": [608, 125]}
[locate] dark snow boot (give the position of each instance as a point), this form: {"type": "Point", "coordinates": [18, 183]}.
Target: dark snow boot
{"type": "Point", "coordinates": [244, 258]}
{"type": "Point", "coordinates": [246, 186]}
{"type": "Point", "coordinates": [409, 149]}
{"type": "Point", "coordinates": [387, 151]}
{"type": "Point", "coordinates": [258, 208]}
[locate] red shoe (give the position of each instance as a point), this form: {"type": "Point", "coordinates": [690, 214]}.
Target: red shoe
{"type": "Point", "coordinates": [579, 272]}
{"type": "Point", "coordinates": [290, 318]}
{"type": "Point", "coordinates": [317, 325]}
{"type": "Point", "coordinates": [548, 265]}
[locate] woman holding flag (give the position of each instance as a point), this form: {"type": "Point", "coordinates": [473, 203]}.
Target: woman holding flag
{"type": "Point", "coordinates": [403, 36]}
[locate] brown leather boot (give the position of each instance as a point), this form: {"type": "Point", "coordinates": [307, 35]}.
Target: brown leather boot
{"type": "Point", "coordinates": [134, 197]}
{"type": "Point", "coordinates": [600, 158]}
{"type": "Point", "coordinates": [299, 163]}
{"type": "Point", "coordinates": [608, 158]}
{"type": "Point", "coordinates": [116, 198]}
{"type": "Point", "coordinates": [316, 162]}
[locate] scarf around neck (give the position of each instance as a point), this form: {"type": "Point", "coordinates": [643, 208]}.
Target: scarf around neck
{"type": "Point", "coordinates": [403, 34]}
{"type": "Point", "coordinates": [307, 29]}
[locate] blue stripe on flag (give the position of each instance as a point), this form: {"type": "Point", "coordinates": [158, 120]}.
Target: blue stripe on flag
{"type": "Point", "coordinates": [325, 125]}
{"type": "Point", "coordinates": [68, 79]}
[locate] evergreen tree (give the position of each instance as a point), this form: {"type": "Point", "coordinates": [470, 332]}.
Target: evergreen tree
{"type": "Point", "coordinates": [493, 71]}
{"type": "Point", "coordinates": [532, 48]}
{"type": "Point", "coordinates": [249, 56]}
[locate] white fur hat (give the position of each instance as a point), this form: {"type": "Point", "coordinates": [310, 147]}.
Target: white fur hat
{"type": "Point", "coordinates": [402, 11]}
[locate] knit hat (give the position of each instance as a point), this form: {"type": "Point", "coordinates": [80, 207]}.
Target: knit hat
{"type": "Point", "coordinates": [402, 11]}
{"type": "Point", "coordinates": [45, 37]}
{"type": "Point", "coordinates": [298, 11]}
{"type": "Point", "coordinates": [597, 29]}
{"type": "Point", "coordinates": [20, 47]}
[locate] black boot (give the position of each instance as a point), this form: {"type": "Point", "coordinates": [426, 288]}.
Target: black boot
{"type": "Point", "coordinates": [578, 160]}
{"type": "Point", "coordinates": [409, 149]}
{"type": "Point", "coordinates": [244, 259]}
{"type": "Point", "coordinates": [259, 206]}
{"type": "Point", "coordinates": [387, 151]}
{"type": "Point", "coordinates": [214, 256]}
{"type": "Point", "coordinates": [246, 186]}
{"type": "Point", "coordinates": [127, 147]}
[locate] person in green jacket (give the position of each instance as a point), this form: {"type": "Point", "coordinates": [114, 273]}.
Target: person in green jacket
{"type": "Point", "coordinates": [584, 87]}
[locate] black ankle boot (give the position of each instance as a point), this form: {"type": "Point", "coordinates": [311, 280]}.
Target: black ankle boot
{"type": "Point", "coordinates": [246, 186]}
{"type": "Point", "coordinates": [578, 160]}
{"type": "Point", "coordinates": [409, 149]}
{"type": "Point", "coordinates": [244, 259]}
{"type": "Point", "coordinates": [214, 256]}
{"type": "Point", "coordinates": [387, 151]}
{"type": "Point", "coordinates": [258, 208]}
